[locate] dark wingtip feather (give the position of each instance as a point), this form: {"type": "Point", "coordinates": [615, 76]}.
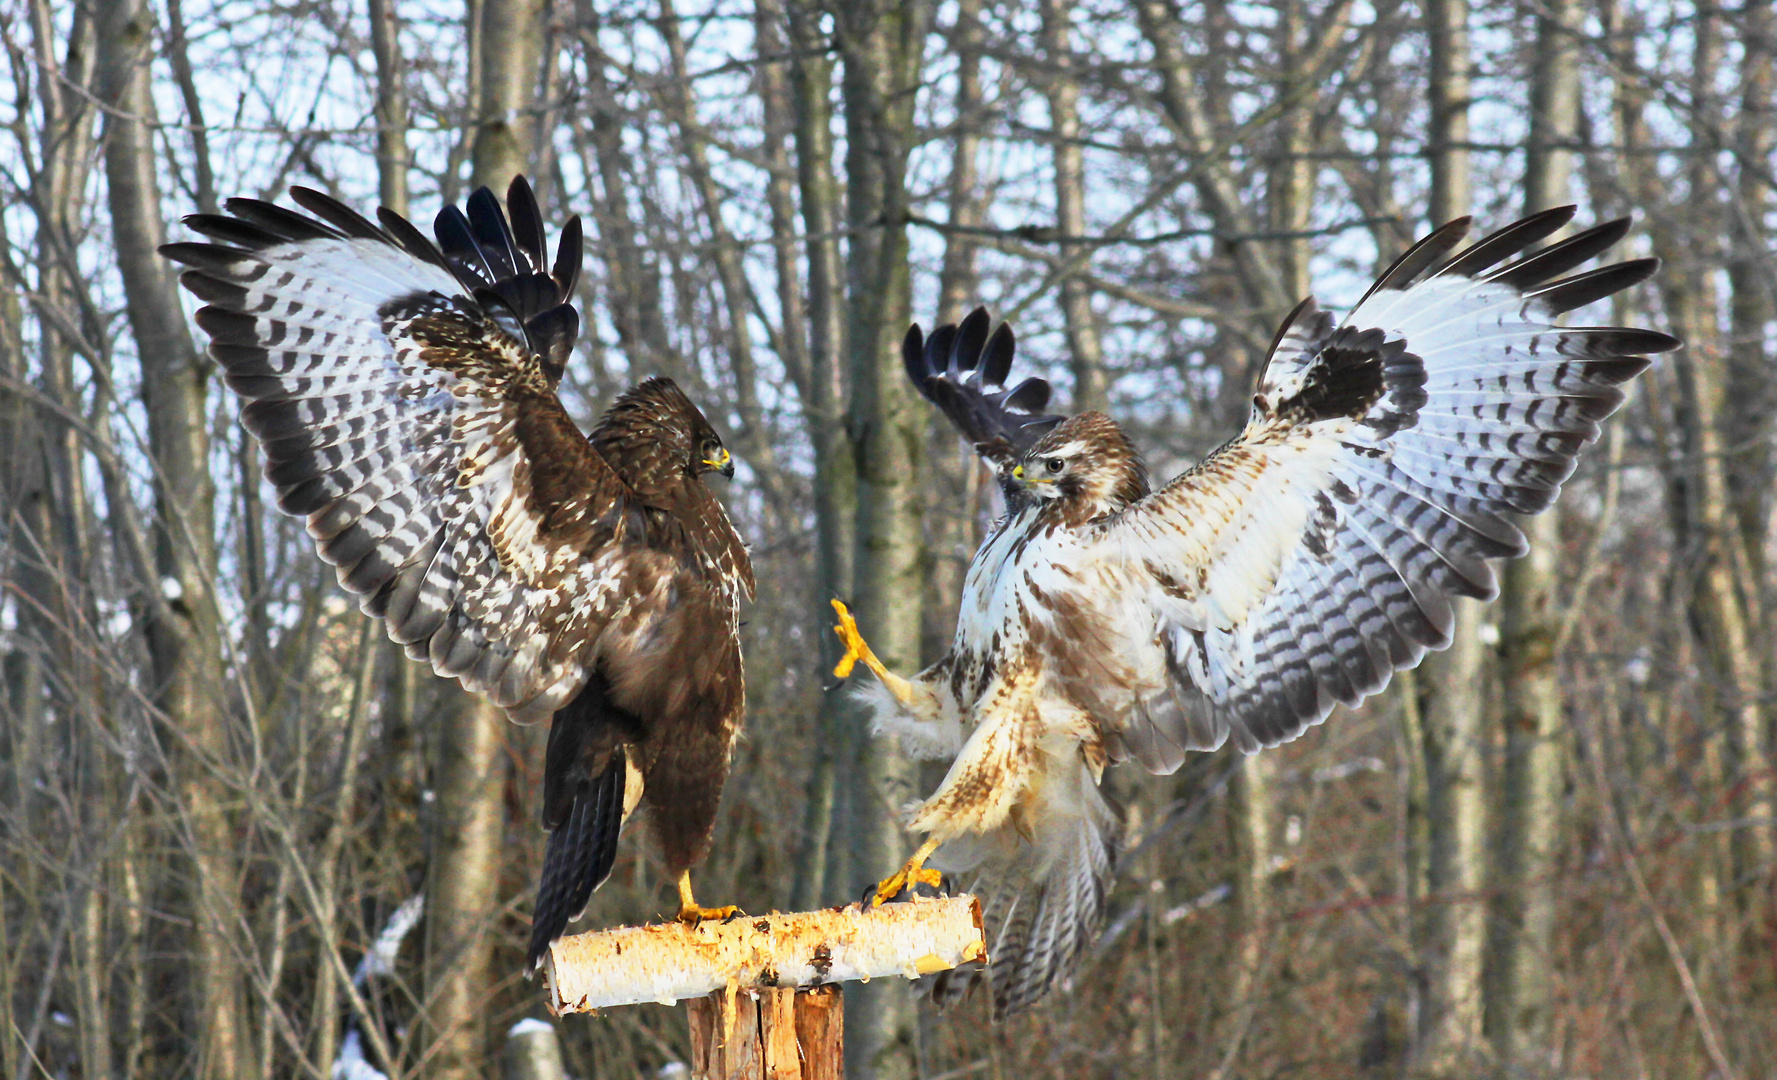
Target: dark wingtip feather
{"type": "Point", "coordinates": [230, 230]}
{"type": "Point", "coordinates": [527, 222]}
{"type": "Point", "coordinates": [913, 359]}
{"type": "Point", "coordinates": [410, 239]}
{"type": "Point", "coordinates": [488, 222]}
{"type": "Point", "coordinates": [1496, 247]}
{"type": "Point", "coordinates": [287, 225]}
{"type": "Point", "coordinates": [1406, 269]}
{"type": "Point", "coordinates": [462, 253]}
{"type": "Point", "coordinates": [965, 347]}
{"type": "Point", "coordinates": [337, 214]}
{"type": "Point", "coordinates": [1582, 289]}
{"type": "Point", "coordinates": [569, 253]}
{"type": "Point", "coordinates": [996, 357]}
{"type": "Point", "coordinates": [1559, 258]}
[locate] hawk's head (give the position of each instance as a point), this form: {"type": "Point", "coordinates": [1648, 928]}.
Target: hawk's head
{"type": "Point", "coordinates": [662, 433]}
{"type": "Point", "coordinates": [1086, 465]}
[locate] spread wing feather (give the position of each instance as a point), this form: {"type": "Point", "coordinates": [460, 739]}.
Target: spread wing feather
{"type": "Point", "coordinates": [1306, 561]}
{"type": "Point", "coordinates": [962, 369]}
{"type": "Point", "coordinates": [404, 394]}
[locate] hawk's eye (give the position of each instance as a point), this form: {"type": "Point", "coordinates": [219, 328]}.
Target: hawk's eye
{"type": "Point", "coordinates": [1055, 465]}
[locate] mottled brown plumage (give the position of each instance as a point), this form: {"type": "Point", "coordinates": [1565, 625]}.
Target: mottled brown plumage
{"type": "Point", "coordinates": [405, 396]}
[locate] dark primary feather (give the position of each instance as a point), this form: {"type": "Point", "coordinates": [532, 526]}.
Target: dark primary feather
{"type": "Point", "coordinates": [962, 369]}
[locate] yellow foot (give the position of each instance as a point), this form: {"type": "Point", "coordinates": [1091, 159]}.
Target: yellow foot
{"type": "Point", "coordinates": [695, 914]}
{"type": "Point", "coordinates": [914, 873]}
{"type": "Point", "coordinates": [691, 912]}
{"type": "Point", "coordinates": [856, 649]}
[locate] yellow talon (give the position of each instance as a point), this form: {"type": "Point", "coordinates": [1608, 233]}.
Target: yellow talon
{"type": "Point", "coordinates": [856, 649]}
{"type": "Point", "coordinates": [914, 873]}
{"type": "Point", "coordinates": [692, 913]}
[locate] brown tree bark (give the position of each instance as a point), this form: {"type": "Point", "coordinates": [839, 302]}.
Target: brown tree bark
{"type": "Point", "coordinates": [880, 45]}
{"type": "Point", "coordinates": [469, 757]}
{"type": "Point", "coordinates": [1085, 349]}
{"type": "Point", "coordinates": [1450, 923]}
{"type": "Point", "coordinates": [183, 631]}
{"type": "Point", "coordinates": [391, 105]}
{"type": "Point", "coordinates": [826, 867]}
{"type": "Point", "coordinates": [1520, 958]}
{"type": "Point", "coordinates": [737, 297]}
{"type": "Point", "coordinates": [958, 281]}
{"type": "Point", "coordinates": [632, 274]}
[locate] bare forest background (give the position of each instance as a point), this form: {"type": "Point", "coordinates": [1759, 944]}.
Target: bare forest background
{"type": "Point", "coordinates": [1550, 852]}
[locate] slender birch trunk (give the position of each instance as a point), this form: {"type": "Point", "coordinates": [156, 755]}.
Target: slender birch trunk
{"type": "Point", "coordinates": [470, 765]}
{"type": "Point", "coordinates": [391, 105]}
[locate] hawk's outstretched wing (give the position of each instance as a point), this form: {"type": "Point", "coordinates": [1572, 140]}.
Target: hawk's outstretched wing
{"type": "Point", "coordinates": [405, 397]}
{"type": "Point", "coordinates": [962, 370]}
{"type": "Point", "coordinates": [1307, 560]}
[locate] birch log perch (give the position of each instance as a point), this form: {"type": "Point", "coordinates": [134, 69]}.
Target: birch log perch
{"type": "Point", "coordinates": [671, 962]}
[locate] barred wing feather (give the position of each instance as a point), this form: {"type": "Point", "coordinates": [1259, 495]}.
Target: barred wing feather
{"type": "Point", "coordinates": [1306, 561]}
{"type": "Point", "coordinates": [404, 395]}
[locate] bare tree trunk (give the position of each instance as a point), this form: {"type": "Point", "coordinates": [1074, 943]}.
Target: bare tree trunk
{"type": "Point", "coordinates": [41, 474]}
{"type": "Point", "coordinates": [391, 105]}
{"type": "Point", "coordinates": [183, 628]}
{"type": "Point", "coordinates": [880, 44]}
{"type": "Point", "coordinates": [1748, 400]}
{"type": "Point", "coordinates": [736, 295]}
{"type": "Point", "coordinates": [1084, 348]}
{"type": "Point", "coordinates": [1188, 117]}
{"type": "Point", "coordinates": [509, 39]}
{"type": "Point", "coordinates": [958, 282]}
{"type": "Point", "coordinates": [466, 848]}
{"type": "Point", "coordinates": [826, 868]}
{"type": "Point", "coordinates": [632, 274]}
{"type": "Point", "coordinates": [1451, 924]}
{"type": "Point", "coordinates": [1520, 960]}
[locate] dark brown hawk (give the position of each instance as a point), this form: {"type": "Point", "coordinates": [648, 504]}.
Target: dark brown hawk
{"type": "Point", "coordinates": [1297, 567]}
{"type": "Point", "coordinates": [404, 394]}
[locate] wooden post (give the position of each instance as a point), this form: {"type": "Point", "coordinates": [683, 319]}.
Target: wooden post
{"type": "Point", "coordinates": [761, 990]}
{"type": "Point", "coordinates": [783, 1034]}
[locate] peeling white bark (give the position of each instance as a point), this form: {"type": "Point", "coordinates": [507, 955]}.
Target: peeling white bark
{"type": "Point", "coordinates": [672, 961]}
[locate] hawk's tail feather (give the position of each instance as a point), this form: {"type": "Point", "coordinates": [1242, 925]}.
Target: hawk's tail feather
{"type": "Point", "coordinates": [1043, 896]}
{"type": "Point", "coordinates": [580, 855]}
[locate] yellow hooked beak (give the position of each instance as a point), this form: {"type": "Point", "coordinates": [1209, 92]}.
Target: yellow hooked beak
{"type": "Point", "coordinates": [1018, 474]}
{"type": "Point", "coordinates": [723, 463]}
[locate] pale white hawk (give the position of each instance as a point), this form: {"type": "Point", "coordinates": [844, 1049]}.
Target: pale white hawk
{"type": "Point", "coordinates": [1297, 567]}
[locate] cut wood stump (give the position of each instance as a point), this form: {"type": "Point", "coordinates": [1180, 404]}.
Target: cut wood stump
{"type": "Point", "coordinates": [766, 1005]}
{"type": "Point", "coordinates": [786, 1034]}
